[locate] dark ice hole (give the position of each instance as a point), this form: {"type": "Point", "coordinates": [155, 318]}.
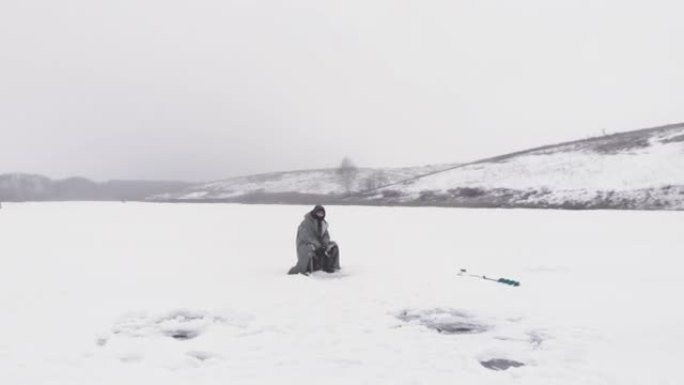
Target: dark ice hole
{"type": "Point", "coordinates": [501, 364]}
{"type": "Point", "coordinates": [456, 328]}
{"type": "Point", "coordinates": [182, 334]}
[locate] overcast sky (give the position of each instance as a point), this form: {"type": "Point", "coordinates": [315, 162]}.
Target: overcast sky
{"type": "Point", "coordinates": [207, 89]}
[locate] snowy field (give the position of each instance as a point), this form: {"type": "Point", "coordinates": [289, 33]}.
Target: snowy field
{"type": "Point", "coordinates": [113, 293]}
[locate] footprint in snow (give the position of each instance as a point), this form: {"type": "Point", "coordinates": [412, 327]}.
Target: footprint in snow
{"type": "Point", "coordinates": [446, 321]}
{"type": "Point", "coordinates": [180, 325]}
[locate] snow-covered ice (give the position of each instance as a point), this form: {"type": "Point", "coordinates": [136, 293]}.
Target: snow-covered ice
{"type": "Point", "coordinates": [134, 293]}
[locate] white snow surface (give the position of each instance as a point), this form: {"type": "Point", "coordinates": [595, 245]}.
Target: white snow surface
{"type": "Point", "coordinates": [94, 293]}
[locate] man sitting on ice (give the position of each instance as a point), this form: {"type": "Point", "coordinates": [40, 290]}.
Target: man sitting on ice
{"type": "Point", "coordinates": [315, 250]}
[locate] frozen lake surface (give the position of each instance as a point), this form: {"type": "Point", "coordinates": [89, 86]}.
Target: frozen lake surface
{"type": "Point", "coordinates": [113, 293]}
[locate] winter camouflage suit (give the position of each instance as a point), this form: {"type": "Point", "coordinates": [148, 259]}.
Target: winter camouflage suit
{"type": "Point", "coordinates": [315, 251]}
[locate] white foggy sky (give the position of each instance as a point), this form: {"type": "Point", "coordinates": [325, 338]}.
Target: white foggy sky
{"type": "Point", "coordinates": [206, 89]}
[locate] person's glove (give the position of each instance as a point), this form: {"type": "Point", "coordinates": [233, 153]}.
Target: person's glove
{"type": "Point", "coordinates": [330, 246]}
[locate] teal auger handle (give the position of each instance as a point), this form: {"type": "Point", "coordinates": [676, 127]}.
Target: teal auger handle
{"type": "Point", "coordinates": [507, 281]}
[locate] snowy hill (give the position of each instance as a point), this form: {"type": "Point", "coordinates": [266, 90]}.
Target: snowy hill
{"type": "Point", "coordinates": [641, 169]}
{"type": "Point", "coordinates": [305, 186]}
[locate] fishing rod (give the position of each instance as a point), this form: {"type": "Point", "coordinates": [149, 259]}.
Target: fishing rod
{"type": "Point", "coordinates": [505, 281]}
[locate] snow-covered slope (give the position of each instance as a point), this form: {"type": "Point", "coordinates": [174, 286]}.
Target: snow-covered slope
{"type": "Point", "coordinates": [641, 169]}
{"type": "Point", "coordinates": [307, 182]}
{"type": "Point", "coordinates": [638, 169]}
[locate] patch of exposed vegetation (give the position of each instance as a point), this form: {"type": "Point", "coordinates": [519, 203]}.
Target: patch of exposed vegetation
{"type": "Point", "coordinates": [467, 192]}
{"type": "Point", "coordinates": [678, 138]}
{"type": "Point", "coordinates": [622, 143]}
{"type": "Point", "coordinates": [391, 193]}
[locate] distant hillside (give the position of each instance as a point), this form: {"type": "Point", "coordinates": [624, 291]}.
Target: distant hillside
{"type": "Point", "coordinates": [641, 169]}
{"type": "Point", "coordinates": [25, 187]}
{"type": "Point", "coordinates": [307, 186]}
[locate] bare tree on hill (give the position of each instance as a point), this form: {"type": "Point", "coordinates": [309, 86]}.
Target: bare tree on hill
{"type": "Point", "coordinates": [347, 172]}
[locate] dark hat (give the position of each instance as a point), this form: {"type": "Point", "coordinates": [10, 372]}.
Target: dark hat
{"type": "Point", "coordinates": [318, 208]}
